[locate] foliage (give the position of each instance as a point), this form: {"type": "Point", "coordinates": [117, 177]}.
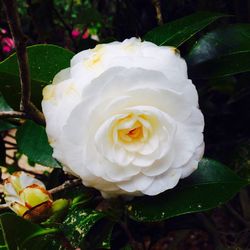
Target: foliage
{"type": "Point", "coordinates": [218, 61]}
{"type": "Point", "coordinates": [44, 60]}
{"type": "Point", "coordinates": [33, 142]}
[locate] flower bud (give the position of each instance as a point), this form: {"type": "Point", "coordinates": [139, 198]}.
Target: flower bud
{"type": "Point", "coordinates": [27, 196]}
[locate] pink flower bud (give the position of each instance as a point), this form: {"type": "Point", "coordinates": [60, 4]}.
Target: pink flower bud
{"type": "Point", "coordinates": [75, 33]}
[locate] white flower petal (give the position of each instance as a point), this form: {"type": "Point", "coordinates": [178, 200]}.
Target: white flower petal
{"type": "Point", "coordinates": [160, 166]}
{"type": "Point", "coordinates": [163, 182]}
{"type": "Point", "coordinates": [137, 183]}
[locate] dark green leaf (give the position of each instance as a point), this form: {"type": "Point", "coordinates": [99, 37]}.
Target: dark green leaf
{"type": "Point", "coordinates": [33, 142]}
{"type": "Point", "coordinates": [127, 247]}
{"type": "Point", "coordinates": [45, 61]}
{"type": "Point", "coordinates": [14, 230]}
{"type": "Point", "coordinates": [89, 16]}
{"type": "Point", "coordinates": [3, 104]}
{"type": "Point", "coordinates": [77, 224]}
{"type": "Point", "coordinates": [39, 233]}
{"type": "Point", "coordinates": [99, 237]}
{"type": "Point", "coordinates": [47, 241]}
{"type": "Point", "coordinates": [4, 125]}
{"type": "Point", "coordinates": [209, 186]}
{"type": "Point", "coordinates": [220, 53]}
{"type": "Point", "coordinates": [179, 31]}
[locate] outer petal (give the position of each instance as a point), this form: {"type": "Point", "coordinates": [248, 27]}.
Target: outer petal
{"type": "Point", "coordinates": [163, 182]}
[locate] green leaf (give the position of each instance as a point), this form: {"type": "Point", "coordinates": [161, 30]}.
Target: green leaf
{"type": "Point", "coordinates": [127, 247]}
{"type": "Point", "coordinates": [39, 233]}
{"type": "Point", "coordinates": [3, 104]}
{"type": "Point", "coordinates": [89, 16]}
{"type": "Point", "coordinates": [211, 185]}
{"type": "Point", "coordinates": [179, 31]}
{"type": "Point", "coordinates": [221, 53]}
{"type": "Point", "coordinates": [33, 142]}
{"type": "Point", "coordinates": [4, 125]}
{"type": "Point", "coordinates": [45, 61]}
{"type": "Point", "coordinates": [47, 241]}
{"type": "Point", "coordinates": [14, 230]}
{"type": "Point", "coordinates": [78, 223]}
{"type": "Point", "coordinates": [99, 237]}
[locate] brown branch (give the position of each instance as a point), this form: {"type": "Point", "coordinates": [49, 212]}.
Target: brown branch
{"type": "Point", "coordinates": [237, 215]}
{"type": "Point", "coordinates": [23, 64]}
{"type": "Point", "coordinates": [12, 114]}
{"type": "Point", "coordinates": [134, 244]}
{"type": "Point", "coordinates": [209, 227]}
{"type": "Point", "coordinates": [65, 185]}
{"type": "Point", "coordinates": [157, 5]}
{"type": "Point", "coordinates": [35, 114]}
{"type": "Point", "coordinates": [3, 206]}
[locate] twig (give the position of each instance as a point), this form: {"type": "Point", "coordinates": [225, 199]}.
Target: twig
{"type": "Point", "coordinates": [35, 114]}
{"type": "Point", "coordinates": [10, 148]}
{"type": "Point", "coordinates": [3, 206]}
{"type": "Point", "coordinates": [65, 185]}
{"type": "Point", "coordinates": [245, 203]}
{"type": "Point", "coordinates": [208, 225]}
{"type": "Point", "coordinates": [134, 244]}
{"type": "Point", "coordinates": [237, 215]}
{"type": "Point", "coordinates": [12, 114]}
{"type": "Point", "coordinates": [157, 5]}
{"type": "Point", "coordinates": [20, 42]}
{"type": "Point", "coordinates": [23, 64]}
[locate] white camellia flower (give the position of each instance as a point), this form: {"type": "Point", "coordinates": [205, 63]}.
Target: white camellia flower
{"type": "Point", "coordinates": [125, 119]}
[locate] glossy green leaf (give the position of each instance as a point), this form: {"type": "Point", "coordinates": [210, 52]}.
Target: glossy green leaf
{"type": "Point", "coordinates": [47, 241]}
{"type": "Point", "coordinates": [78, 223]}
{"type": "Point", "coordinates": [33, 142]}
{"type": "Point", "coordinates": [45, 61]}
{"type": "Point", "coordinates": [221, 53]}
{"type": "Point", "coordinates": [179, 31]}
{"type": "Point", "coordinates": [211, 185]}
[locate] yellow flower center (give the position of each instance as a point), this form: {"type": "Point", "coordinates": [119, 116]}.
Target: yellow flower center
{"type": "Point", "coordinates": [131, 134]}
{"type": "Point", "coordinates": [135, 133]}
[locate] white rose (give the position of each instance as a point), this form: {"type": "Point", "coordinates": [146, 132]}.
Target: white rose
{"type": "Point", "coordinates": [125, 118]}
